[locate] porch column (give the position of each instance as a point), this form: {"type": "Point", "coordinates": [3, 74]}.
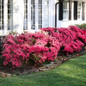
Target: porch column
{"type": "Point", "coordinates": [43, 13]}
{"type": "Point", "coordinates": [15, 15]}
{"type": "Point", "coordinates": [5, 16]}
{"type": "Point", "coordinates": [51, 13]}
{"type": "Point", "coordinates": [36, 15]}
{"type": "Point", "coordinates": [72, 15]}
{"type": "Point", "coordinates": [29, 15]}
{"type": "Point", "coordinates": [85, 11]}
{"type": "Point", "coordinates": [20, 18]}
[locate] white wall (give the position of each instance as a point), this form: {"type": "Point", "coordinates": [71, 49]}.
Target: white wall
{"type": "Point", "coordinates": [18, 16]}
{"type": "Point", "coordinates": [52, 13]}
{"type": "Point", "coordinates": [66, 23]}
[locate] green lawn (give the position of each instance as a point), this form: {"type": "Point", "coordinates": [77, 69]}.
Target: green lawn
{"type": "Point", "coordinates": [71, 73]}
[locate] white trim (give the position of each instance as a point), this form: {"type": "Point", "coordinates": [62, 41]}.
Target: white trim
{"type": "Point", "coordinates": [50, 20]}
{"type": "Point", "coordinates": [67, 10]}
{"type": "Point", "coordinates": [20, 16]}
{"type": "Point", "coordinates": [85, 11]}
{"type": "Point", "coordinates": [51, 13]}
{"type": "Point", "coordinates": [15, 21]}
{"type": "Point", "coordinates": [57, 14]}
{"type": "Point", "coordinates": [72, 16]}
{"type": "Point", "coordinates": [79, 13]}
{"type": "Point", "coordinates": [5, 16]}
{"type": "Point", "coordinates": [29, 15]}
{"type": "Point", "coordinates": [43, 13]}
{"type": "Point", "coordinates": [36, 15]}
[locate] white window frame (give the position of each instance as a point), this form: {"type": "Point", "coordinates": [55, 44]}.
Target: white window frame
{"type": "Point", "coordinates": [5, 17]}
{"type": "Point", "coordinates": [79, 13]}
{"type": "Point", "coordinates": [45, 18]}
{"type": "Point", "coordinates": [66, 10]}
{"type": "Point", "coordinates": [25, 15]}
{"type": "Point", "coordinates": [36, 16]}
{"type": "Point", "coordinates": [83, 11]}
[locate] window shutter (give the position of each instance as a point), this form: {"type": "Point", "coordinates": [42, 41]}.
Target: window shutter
{"type": "Point", "coordinates": [75, 10]}
{"type": "Point", "coordinates": [83, 10]}
{"type": "Point", "coordinates": [60, 10]}
{"type": "Point", "coordinates": [70, 10]}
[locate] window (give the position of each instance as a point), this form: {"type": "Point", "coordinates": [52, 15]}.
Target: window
{"type": "Point", "coordinates": [33, 14]}
{"type": "Point", "coordinates": [79, 14]}
{"type": "Point", "coordinates": [1, 14]}
{"type": "Point", "coordinates": [25, 15]}
{"type": "Point", "coordinates": [65, 11]}
{"type": "Point", "coordinates": [39, 14]}
{"type": "Point", "coordinates": [79, 10]}
{"type": "Point", "coordinates": [10, 14]}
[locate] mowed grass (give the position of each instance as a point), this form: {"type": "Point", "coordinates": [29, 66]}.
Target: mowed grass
{"type": "Point", "coordinates": [70, 73]}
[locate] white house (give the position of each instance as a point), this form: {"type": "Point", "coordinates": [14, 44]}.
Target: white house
{"type": "Point", "coordinates": [30, 15]}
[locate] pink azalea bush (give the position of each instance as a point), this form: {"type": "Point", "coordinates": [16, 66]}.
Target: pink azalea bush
{"type": "Point", "coordinates": [84, 32]}
{"type": "Point", "coordinates": [69, 40]}
{"type": "Point", "coordinates": [25, 48]}
{"type": "Point", "coordinates": [43, 46]}
{"type": "Point", "coordinates": [51, 31]}
{"type": "Point", "coordinates": [80, 34]}
{"type": "Point", "coordinates": [67, 37]}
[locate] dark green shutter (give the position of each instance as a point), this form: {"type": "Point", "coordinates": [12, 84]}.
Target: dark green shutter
{"type": "Point", "coordinates": [60, 10]}
{"type": "Point", "coordinates": [75, 10]}
{"type": "Point", "coordinates": [70, 5]}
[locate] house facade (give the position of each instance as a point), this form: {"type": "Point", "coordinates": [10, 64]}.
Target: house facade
{"type": "Point", "coordinates": [30, 15]}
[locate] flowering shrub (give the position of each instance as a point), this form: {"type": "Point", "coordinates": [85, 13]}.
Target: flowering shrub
{"type": "Point", "coordinates": [42, 46]}
{"type": "Point", "coordinates": [12, 52]}
{"type": "Point", "coordinates": [69, 40]}
{"type": "Point", "coordinates": [51, 31]}
{"type": "Point", "coordinates": [67, 37]}
{"type": "Point", "coordinates": [80, 34]}
{"type": "Point", "coordinates": [36, 48]}
{"type": "Point", "coordinates": [84, 32]}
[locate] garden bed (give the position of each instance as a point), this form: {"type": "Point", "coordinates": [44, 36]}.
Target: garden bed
{"type": "Point", "coordinates": [41, 51]}
{"type": "Point", "coordinates": [6, 71]}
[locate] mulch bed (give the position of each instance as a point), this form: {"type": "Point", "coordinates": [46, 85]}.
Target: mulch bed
{"type": "Point", "coordinates": [6, 71]}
